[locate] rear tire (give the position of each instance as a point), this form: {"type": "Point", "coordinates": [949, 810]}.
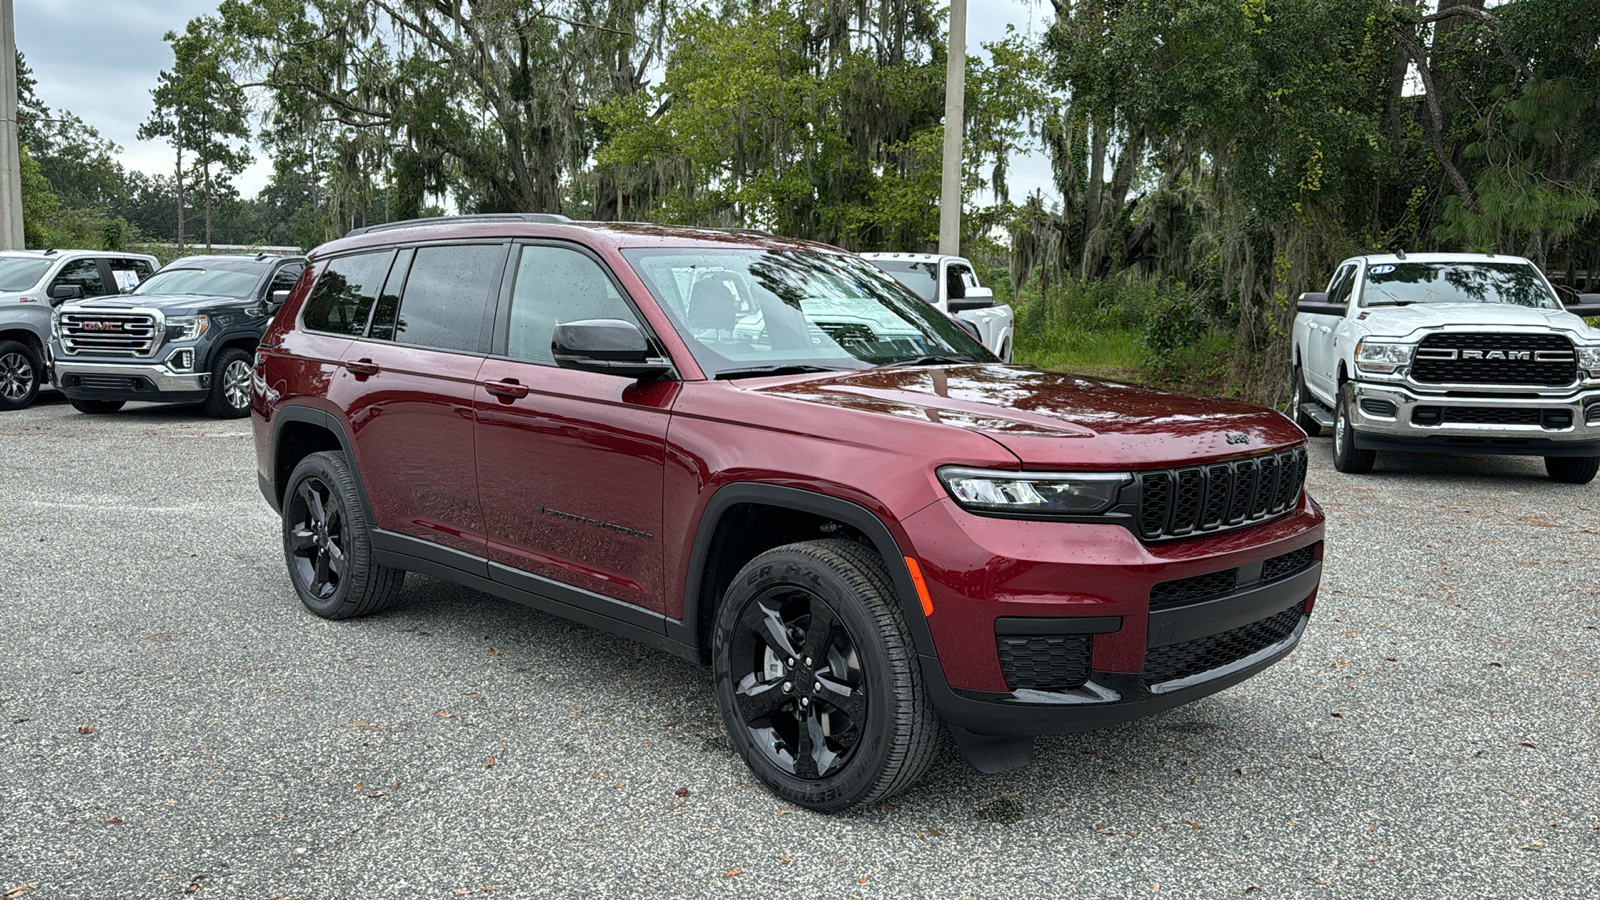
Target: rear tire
{"type": "Point", "coordinates": [1572, 469]}
{"type": "Point", "coordinates": [230, 385]}
{"type": "Point", "coordinates": [327, 542]}
{"type": "Point", "coordinates": [1297, 402]}
{"type": "Point", "coordinates": [97, 407]}
{"type": "Point", "coordinates": [1346, 457]}
{"type": "Point", "coordinates": [20, 371]}
{"type": "Point", "coordinates": [817, 680]}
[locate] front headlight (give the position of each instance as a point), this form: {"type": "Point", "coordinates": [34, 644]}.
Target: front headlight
{"type": "Point", "coordinates": [1589, 362]}
{"type": "Point", "coordinates": [1044, 493]}
{"type": "Point", "coordinates": [1384, 358]}
{"type": "Point", "coordinates": [186, 328]}
{"type": "Point", "coordinates": [55, 325]}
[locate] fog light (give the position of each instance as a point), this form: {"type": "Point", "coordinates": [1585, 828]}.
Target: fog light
{"type": "Point", "coordinates": [181, 360]}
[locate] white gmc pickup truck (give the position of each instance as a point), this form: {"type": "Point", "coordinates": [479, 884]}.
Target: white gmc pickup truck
{"type": "Point", "coordinates": [1452, 353]}
{"type": "Point", "coordinates": [950, 283]}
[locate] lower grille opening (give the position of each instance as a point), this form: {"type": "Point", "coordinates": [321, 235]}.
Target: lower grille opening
{"type": "Point", "coordinates": [1591, 416]}
{"type": "Point", "coordinates": [1556, 419]}
{"type": "Point", "coordinates": [1045, 662]}
{"type": "Point", "coordinates": [108, 382]}
{"type": "Point", "coordinates": [1426, 415]}
{"type": "Point", "coordinates": [1374, 407]}
{"type": "Point", "coordinates": [1196, 588]}
{"type": "Point", "coordinates": [1207, 653]}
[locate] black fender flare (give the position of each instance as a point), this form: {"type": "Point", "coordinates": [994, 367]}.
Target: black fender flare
{"type": "Point", "coordinates": [310, 415]}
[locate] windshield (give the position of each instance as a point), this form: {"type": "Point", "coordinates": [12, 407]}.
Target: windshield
{"type": "Point", "coordinates": [202, 282]}
{"type": "Point", "coordinates": [18, 274]}
{"type": "Point", "coordinates": [747, 311]}
{"type": "Point", "coordinates": [921, 277]}
{"type": "Point", "coordinates": [1456, 282]}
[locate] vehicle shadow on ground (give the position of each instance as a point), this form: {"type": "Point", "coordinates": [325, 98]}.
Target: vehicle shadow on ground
{"type": "Point", "coordinates": [1439, 468]}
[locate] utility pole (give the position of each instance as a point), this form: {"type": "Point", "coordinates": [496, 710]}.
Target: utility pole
{"type": "Point", "coordinates": [955, 89]}
{"type": "Point", "coordinates": [10, 158]}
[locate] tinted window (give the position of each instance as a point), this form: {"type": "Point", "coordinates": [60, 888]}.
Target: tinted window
{"type": "Point", "coordinates": [342, 299]}
{"type": "Point", "coordinates": [446, 294]}
{"type": "Point", "coordinates": [1456, 282]}
{"type": "Point", "coordinates": [556, 285]}
{"type": "Point", "coordinates": [129, 272]}
{"type": "Point", "coordinates": [1343, 281]}
{"type": "Point", "coordinates": [285, 278]}
{"type": "Point", "coordinates": [84, 273]}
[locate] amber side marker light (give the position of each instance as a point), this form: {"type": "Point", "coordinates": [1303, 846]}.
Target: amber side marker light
{"type": "Point", "coordinates": [922, 586]}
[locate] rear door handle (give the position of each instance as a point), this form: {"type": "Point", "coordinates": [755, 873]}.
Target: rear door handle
{"type": "Point", "coordinates": [361, 368]}
{"type": "Point", "coordinates": [508, 389]}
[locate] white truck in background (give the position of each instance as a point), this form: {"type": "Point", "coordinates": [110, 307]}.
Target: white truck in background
{"type": "Point", "coordinates": [951, 284]}
{"type": "Point", "coordinates": [1449, 353]}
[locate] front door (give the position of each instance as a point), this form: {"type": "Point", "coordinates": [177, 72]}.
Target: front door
{"type": "Point", "coordinates": [569, 462]}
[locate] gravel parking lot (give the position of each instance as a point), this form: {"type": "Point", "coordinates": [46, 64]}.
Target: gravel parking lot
{"type": "Point", "coordinates": [174, 723]}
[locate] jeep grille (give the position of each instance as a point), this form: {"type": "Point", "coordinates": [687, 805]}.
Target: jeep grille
{"type": "Point", "coordinates": [1486, 358]}
{"type": "Point", "coordinates": [1220, 496]}
{"type": "Point", "coordinates": [109, 333]}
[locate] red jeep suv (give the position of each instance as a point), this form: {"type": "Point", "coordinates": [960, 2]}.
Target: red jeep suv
{"type": "Point", "coordinates": [769, 456]}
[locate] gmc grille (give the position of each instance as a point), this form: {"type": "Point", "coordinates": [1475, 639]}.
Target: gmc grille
{"type": "Point", "coordinates": [1474, 358]}
{"type": "Point", "coordinates": [109, 333]}
{"type": "Point", "coordinates": [1220, 496]}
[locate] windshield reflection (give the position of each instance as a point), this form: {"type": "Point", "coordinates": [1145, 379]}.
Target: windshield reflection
{"type": "Point", "coordinates": [1399, 284]}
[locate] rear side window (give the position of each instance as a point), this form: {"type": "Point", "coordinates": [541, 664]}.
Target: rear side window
{"type": "Point", "coordinates": [556, 285]}
{"type": "Point", "coordinates": [446, 295]}
{"type": "Point", "coordinates": [343, 297]}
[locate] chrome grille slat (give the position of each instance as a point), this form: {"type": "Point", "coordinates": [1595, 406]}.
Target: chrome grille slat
{"type": "Point", "coordinates": [109, 333]}
{"type": "Point", "coordinates": [1219, 496]}
{"type": "Point", "coordinates": [1467, 357]}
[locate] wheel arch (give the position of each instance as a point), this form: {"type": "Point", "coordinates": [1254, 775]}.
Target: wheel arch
{"type": "Point", "coordinates": [298, 432]}
{"type": "Point", "coordinates": [246, 341]}
{"type": "Point", "coordinates": [25, 336]}
{"type": "Point", "coordinates": [745, 519]}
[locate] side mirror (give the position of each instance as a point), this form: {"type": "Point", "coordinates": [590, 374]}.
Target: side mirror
{"type": "Point", "coordinates": [1588, 305]}
{"type": "Point", "coordinates": [611, 346]}
{"type": "Point", "coordinates": [61, 293]}
{"type": "Point", "coordinates": [277, 299]}
{"type": "Point", "coordinates": [976, 298]}
{"type": "Point", "coordinates": [1316, 303]}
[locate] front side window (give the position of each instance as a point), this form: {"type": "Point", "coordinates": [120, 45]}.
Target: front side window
{"type": "Point", "coordinates": [1403, 283]}
{"type": "Point", "coordinates": [446, 295]}
{"type": "Point", "coordinates": [556, 285]}
{"type": "Point", "coordinates": [85, 273]}
{"type": "Point", "coordinates": [1343, 281]}
{"type": "Point", "coordinates": [342, 300]}
{"type": "Point", "coordinates": [284, 279]}
{"type": "Point", "coordinates": [746, 311]}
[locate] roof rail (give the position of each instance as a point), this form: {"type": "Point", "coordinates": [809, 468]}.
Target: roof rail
{"type": "Point", "coordinates": [536, 218]}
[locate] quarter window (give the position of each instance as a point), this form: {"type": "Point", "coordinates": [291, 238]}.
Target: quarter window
{"type": "Point", "coordinates": [556, 285]}
{"type": "Point", "coordinates": [446, 295]}
{"type": "Point", "coordinates": [345, 292]}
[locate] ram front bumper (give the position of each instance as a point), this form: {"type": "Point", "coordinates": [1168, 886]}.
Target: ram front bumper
{"type": "Point", "coordinates": [1395, 417]}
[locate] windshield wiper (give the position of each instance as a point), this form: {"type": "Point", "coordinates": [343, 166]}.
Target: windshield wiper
{"type": "Point", "coordinates": [1372, 303]}
{"type": "Point", "coordinates": [928, 361]}
{"type": "Point", "coordinates": [785, 369]}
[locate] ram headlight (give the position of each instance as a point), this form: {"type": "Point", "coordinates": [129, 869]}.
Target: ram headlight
{"type": "Point", "coordinates": [1043, 493]}
{"type": "Point", "coordinates": [186, 328]}
{"type": "Point", "coordinates": [1381, 357]}
{"type": "Point", "coordinates": [1589, 362]}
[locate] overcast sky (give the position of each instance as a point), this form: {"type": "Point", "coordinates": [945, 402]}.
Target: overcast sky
{"type": "Point", "coordinates": [100, 59]}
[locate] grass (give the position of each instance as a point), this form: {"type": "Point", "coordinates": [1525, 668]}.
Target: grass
{"type": "Point", "coordinates": [1107, 353]}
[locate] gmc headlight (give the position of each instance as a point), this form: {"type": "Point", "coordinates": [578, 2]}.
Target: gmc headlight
{"type": "Point", "coordinates": [1377, 357]}
{"type": "Point", "coordinates": [1589, 362]}
{"type": "Point", "coordinates": [55, 325]}
{"type": "Point", "coordinates": [1044, 493]}
{"type": "Point", "coordinates": [186, 328]}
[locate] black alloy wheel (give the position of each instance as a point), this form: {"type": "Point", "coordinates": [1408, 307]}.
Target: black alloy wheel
{"type": "Point", "coordinates": [19, 375]}
{"type": "Point", "coordinates": [1297, 403]}
{"type": "Point", "coordinates": [327, 544]}
{"type": "Point", "coordinates": [816, 678]}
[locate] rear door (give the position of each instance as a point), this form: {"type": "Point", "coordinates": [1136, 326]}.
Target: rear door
{"type": "Point", "coordinates": [569, 462]}
{"type": "Point", "coordinates": [407, 389]}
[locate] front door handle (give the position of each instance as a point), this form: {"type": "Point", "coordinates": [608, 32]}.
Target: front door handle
{"type": "Point", "coordinates": [361, 368]}
{"type": "Point", "coordinates": [509, 389]}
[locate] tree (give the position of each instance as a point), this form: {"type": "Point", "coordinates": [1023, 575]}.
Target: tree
{"type": "Point", "coordinates": [200, 108]}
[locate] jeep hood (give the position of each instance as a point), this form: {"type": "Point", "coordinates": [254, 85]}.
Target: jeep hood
{"type": "Point", "coordinates": [1400, 321]}
{"type": "Point", "coordinates": [1051, 421]}
{"type": "Point", "coordinates": [171, 304]}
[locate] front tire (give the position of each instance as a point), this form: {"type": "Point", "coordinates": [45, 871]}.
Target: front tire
{"type": "Point", "coordinates": [1297, 402]}
{"type": "Point", "coordinates": [20, 370]}
{"type": "Point", "coordinates": [816, 679]}
{"type": "Point", "coordinates": [230, 385]}
{"type": "Point", "coordinates": [97, 407]}
{"type": "Point", "coordinates": [1347, 457]}
{"type": "Point", "coordinates": [327, 542]}
{"type": "Point", "coordinates": [1572, 469]}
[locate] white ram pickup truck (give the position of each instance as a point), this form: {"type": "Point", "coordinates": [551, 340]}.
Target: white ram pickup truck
{"type": "Point", "coordinates": [950, 283]}
{"type": "Point", "coordinates": [1449, 353]}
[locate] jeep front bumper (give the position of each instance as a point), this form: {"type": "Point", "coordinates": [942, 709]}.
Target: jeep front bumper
{"type": "Point", "coordinates": [1394, 417]}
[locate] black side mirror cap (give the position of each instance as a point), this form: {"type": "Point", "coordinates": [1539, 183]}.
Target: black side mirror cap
{"type": "Point", "coordinates": [611, 346]}
{"type": "Point", "coordinates": [1587, 305]}
{"type": "Point", "coordinates": [63, 292]}
{"type": "Point", "coordinates": [1316, 303]}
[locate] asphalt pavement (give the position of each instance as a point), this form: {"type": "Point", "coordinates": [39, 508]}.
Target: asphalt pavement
{"type": "Point", "coordinates": [173, 723]}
